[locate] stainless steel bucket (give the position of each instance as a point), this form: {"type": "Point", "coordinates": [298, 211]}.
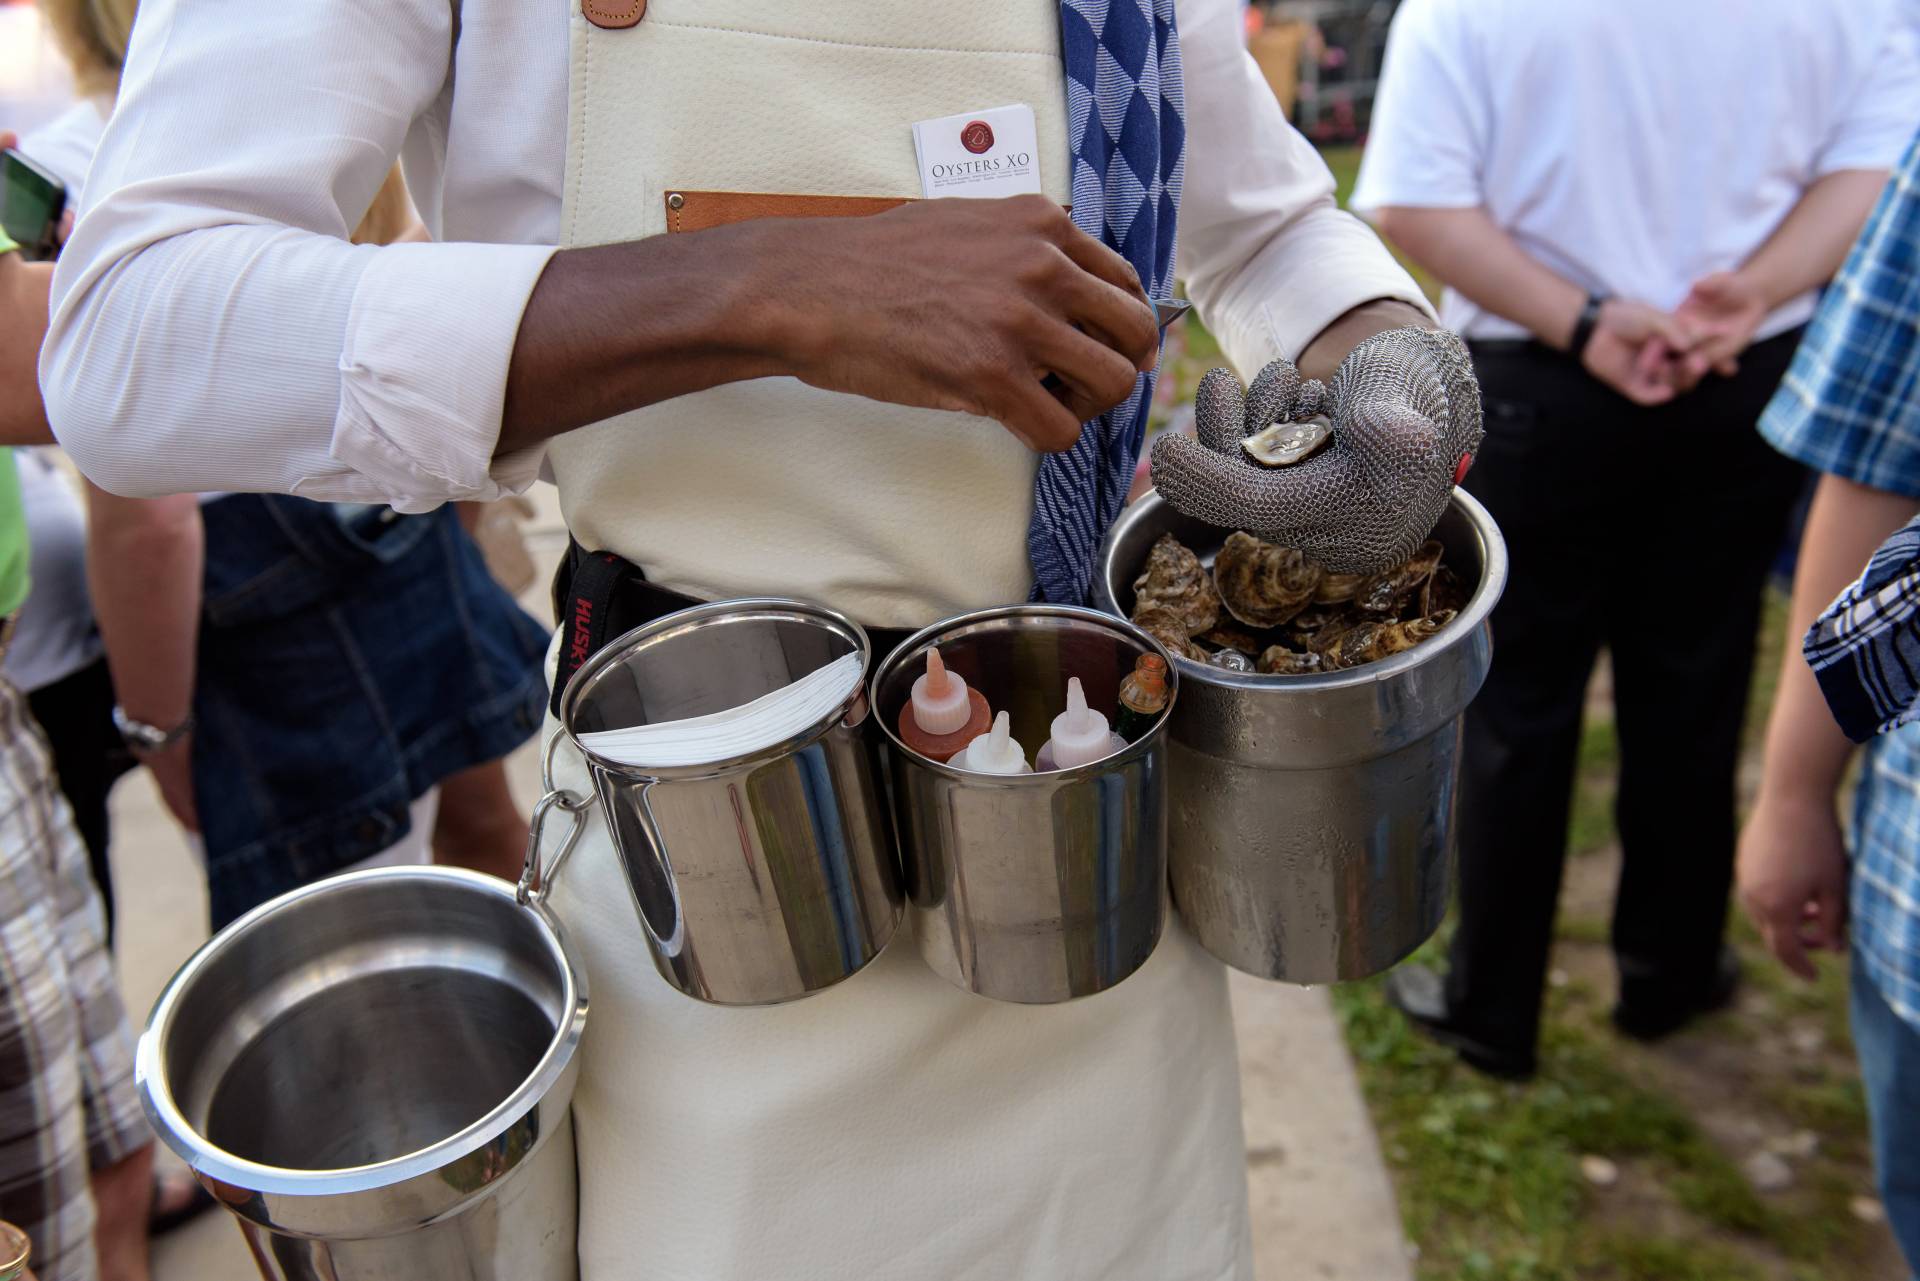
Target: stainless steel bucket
{"type": "Point", "coordinates": [1032, 887]}
{"type": "Point", "coordinates": [374, 1073]}
{"type": "Point", "coordinates": [1313, 816]}
{"type": "Point", "coordinates": [760, 879]}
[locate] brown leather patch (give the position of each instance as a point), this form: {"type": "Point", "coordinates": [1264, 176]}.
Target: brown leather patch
{"type": "Point", "coordinates": [699, 210]}
{"type": "Point", "coordinates": [613, 14]}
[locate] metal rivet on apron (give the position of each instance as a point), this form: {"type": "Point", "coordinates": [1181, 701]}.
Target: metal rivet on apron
{"type": "Point", "coordinates": [675, 200]}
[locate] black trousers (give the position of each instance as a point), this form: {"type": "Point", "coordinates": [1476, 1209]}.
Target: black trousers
{"type": "Point", "coordinates": [76, 714]}
{"type": "Point", "coordinates": [1649, 532]}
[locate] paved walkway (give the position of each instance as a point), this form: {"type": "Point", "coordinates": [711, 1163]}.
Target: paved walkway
{"type": "Point", "coordinates": [1322, 1205]}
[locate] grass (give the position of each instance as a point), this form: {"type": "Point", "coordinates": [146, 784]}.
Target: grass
{"type": "Point", "coordinates": [1489, 1175]}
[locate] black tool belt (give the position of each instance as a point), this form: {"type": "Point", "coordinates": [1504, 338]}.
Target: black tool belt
{"type": "Point", "coordinates": [599, 597]}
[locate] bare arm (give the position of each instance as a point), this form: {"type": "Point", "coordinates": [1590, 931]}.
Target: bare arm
{"type": "Point", "coordinates": [1472, 254]}
{"type": "Point", "coordinates": [1792, 865]}
{"type": "Point", "coordinates": [145, 558]}
{"type": "Point", "coordinates": [1804, 252]}
{"type": "Point", "coordinates": [855, 305]}
{"type": "Point", "coordinates": [1331, 345]}
{"type": "Point", "coordinates": [1466, 249]}
{"type": "Point", "coordinates": [23, 323]}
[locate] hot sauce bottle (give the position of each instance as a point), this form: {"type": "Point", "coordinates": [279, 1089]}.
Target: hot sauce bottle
{"type": "Point", "coordinates": [1143, 696]}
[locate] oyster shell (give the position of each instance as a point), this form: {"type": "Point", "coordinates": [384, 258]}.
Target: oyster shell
{"type": "Point", "coordinates": [1261, 584]}
{"type": "Point", "coordinates": [1389, 592]}
{"type": "Point", "coordinates": [1175, 580]}
{"type": "Point", "coordinates": [1314, 617]}
{"type": "Point", "coordinates": [1227, 636]}
{"type": "Point", "coordinates": [1371, 642]}
{"type": "Point", "coordinates": [1167, 627]}
{"type": "Point", "coordinates": [1337, 589]}
{"type": "Point", "coordinates": [1444, 591]}
{"type": "Point", "coordinates": [1284, 444]}
{"type": "Point", "coordinates": [1281, 661]}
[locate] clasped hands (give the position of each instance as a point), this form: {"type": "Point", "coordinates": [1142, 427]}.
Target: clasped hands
{"type": "Point", "coordinates": [1652, 356]}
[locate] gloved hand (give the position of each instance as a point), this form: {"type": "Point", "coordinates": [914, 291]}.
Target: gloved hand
{"type": "Point", "coordinates": [1405, 409]}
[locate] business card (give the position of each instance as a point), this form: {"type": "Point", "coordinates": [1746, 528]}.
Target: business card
{"type": "Point", "coordinates": [979, 154]}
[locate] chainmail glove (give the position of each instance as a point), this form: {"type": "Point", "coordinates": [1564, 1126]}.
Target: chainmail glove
{"type": "Point", "coordinates": [1405, 409]}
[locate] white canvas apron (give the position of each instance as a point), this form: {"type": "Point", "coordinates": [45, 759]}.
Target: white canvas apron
{"type": "Point", "coordinates": [892, 1126]}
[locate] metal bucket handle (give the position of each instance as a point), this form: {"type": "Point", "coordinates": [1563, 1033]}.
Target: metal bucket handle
{"type": "Point", "coordinates": [535, 880]}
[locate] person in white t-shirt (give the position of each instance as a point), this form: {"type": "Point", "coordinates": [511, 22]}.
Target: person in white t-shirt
{"type": "Point", "coordinates": [1633, 204]}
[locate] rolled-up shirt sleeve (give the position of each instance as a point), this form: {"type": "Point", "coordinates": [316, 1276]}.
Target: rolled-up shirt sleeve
{"type": "Point", "coordinates": [212, 327]}
{"type": "Point", "coordinates": [1269, 259]}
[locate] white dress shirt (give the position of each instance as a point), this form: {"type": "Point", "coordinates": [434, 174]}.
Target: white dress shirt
{"type": "Point", "coordinates": [213, 329]}
{"type": "Point", "coordinates": [1634, 146]}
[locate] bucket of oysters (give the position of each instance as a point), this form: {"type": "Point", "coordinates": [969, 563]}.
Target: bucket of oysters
{"type": "Point", "coordinates": [1314, 752]}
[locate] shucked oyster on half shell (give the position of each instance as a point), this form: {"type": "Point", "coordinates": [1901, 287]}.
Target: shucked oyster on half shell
{"type": "Point", "coordinates": [1261, 584]}
{"type": "Point", "coordinates": [1284, 444]}
{"type": "Point", "coordinates": [1176, 581]}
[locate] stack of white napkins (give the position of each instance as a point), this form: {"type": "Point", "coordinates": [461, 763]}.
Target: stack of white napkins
{"type": "Point", "coordinates": [706, 740]}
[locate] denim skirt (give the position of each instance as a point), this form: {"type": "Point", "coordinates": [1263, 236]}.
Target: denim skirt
{"type": "Point", "coordinates": [350, 658]}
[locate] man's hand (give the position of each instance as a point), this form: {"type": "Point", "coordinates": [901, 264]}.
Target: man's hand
{"type": "Point", "coordinates": [1792, 878]}
{"type": "Point", "coordinates": [172, 770]}
{"type": "Point", "coordinates": [940, 304]}
{"type": "Point", "coordinates": [968, 305]}
{"type": "Point", "coordinates": [1634, 348]}
{"type": "Point", "coordinates": [1723, 310]}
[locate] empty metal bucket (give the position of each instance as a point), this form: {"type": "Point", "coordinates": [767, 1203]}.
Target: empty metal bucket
{"type": "Point", "coordinates": [1032, 887]}
{"type": "Point", "coordinates": [373, 1073]}
{"type": "Point", "coordinates": [759, 879]}
{"type": "Point", "coordinates": [1313, 816]}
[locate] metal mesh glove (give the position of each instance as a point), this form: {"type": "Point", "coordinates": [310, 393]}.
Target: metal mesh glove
{"type": "Point", "coordinates": [1406, 419]}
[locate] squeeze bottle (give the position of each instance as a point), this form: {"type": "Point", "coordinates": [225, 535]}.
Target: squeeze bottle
{"type": "Point", "coordinates": [943, 715]}
{"type": "Point", "coordinates": [1080, 734]}
{"type": "Point", "coordinates": [994, 753]}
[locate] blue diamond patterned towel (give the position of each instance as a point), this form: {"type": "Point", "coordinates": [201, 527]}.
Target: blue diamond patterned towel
{"type": "Point", "coordinates": [1125, 121]}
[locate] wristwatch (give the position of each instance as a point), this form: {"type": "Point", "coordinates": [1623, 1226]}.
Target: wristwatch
{"type": "Point", "coordinates": [1583, 328]}
{"type": "Point", "coordinates": [142, 737]}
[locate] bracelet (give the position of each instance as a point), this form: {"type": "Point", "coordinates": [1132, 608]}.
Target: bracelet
{"type": "Point", "coordinates": [145, 738]}
{"type": "Point", "coordinates": [1583, 328]}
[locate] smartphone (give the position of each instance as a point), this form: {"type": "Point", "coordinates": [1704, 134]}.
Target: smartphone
{"type": "Point", "coordinates": [31, 202]}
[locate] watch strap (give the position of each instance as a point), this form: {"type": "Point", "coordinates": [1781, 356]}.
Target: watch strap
{"type": "Point", "coordinates": [1584, 327]}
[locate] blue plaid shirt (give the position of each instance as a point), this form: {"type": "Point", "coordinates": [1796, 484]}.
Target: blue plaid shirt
{"type": "Point", "coordinates": [1850, 406]}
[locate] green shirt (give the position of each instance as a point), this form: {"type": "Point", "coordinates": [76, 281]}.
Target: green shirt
{"type": "Point", "coordinates": [13, 520]}
{"type": "Point", "coordinates": [13, 538]}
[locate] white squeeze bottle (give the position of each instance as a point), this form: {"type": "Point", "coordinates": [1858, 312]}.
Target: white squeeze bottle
{"type": "Point", "coordinates": [994, 752]}
{"type": "Point", "coordinates": [1080, 734]}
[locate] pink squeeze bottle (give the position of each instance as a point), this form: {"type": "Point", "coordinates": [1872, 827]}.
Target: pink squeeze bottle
{"type": "Point", "coordinates": [943, 715]}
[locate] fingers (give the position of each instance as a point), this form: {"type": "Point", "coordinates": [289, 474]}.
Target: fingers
{"type": "Point", "coordinates": [1778, 918]}
{"type": "Point", "coordinates": [1223, 489]}
{"type": "Point", "coordinates": [1220, 411]}
{"type": "Point", "coordinates": [1038, 418]}
{"type": "Point", "coordinates": [1119, 316]}
{"type": "Point", "coordinates": [1825, 924]}
{"type": "Point", "coordinates": [1676, 333]}
{"type": "Point", "coordinates": [1094, 376]}
{"type": "Point", "coordinates": [1714, 289]}
{"type": "Point", "coordinates": [1272, 396]}
{"type": "Point", "coordinates": [1091, 256]}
